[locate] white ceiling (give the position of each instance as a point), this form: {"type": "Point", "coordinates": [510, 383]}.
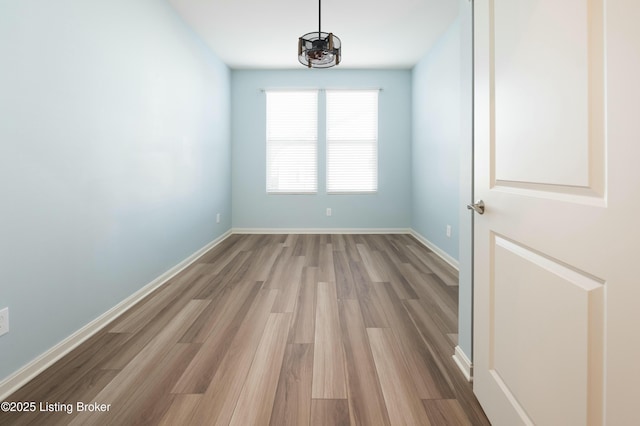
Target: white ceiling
{"type": "Point", "coordinates": [264, 34]}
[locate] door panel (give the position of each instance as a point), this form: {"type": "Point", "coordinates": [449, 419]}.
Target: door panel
{"type": "Point", "coordinates": [541, 70]}
{"type": "Point", "coordinates": [545, 317]}
{"type": "Point", "coordinates": [556, 122]}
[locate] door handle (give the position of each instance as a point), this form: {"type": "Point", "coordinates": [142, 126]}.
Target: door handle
{"type": "Point", "coordinates": [477, 207]}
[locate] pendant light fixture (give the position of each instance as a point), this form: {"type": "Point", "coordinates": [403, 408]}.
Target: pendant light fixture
{"type": "Point", "coordinates": [318, 49]}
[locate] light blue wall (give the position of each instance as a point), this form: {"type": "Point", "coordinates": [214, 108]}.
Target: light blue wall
{"type": "Point", "coordinates": [442, 154]}
{"type": "Point", "coordinates": [436, 142]}
{"type": "Point", "coordinates": [253, 208]}
{"type": "Point", "coordinates": [114, 159]}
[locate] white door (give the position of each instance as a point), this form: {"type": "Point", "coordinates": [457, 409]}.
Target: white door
{"type": "Point", "coordinates": [557, 163]}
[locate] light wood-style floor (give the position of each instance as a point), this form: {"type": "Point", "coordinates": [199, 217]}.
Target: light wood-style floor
{"type": "Point", "coordinates": [280, 330]}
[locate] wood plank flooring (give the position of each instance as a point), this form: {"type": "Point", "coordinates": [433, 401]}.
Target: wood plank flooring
{"type": "Point", "coordinates": [276, 330]}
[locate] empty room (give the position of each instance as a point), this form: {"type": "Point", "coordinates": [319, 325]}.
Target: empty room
{"type": "Point", "coordinates": [251, 212]}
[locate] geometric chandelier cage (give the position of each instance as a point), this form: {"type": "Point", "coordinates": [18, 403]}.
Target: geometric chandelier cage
{"type": "Point", "coordinates": [319, 49]}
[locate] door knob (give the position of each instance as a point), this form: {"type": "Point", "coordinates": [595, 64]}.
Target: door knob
{"type": "Point", "coordinates": [477, 207]}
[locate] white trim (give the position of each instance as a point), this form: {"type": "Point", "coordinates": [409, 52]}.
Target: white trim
{"type": "Point", "coordinates": [18, 379]}
{"type": "Point", "coordinates": [463, 363]}
{"type": "Point", "coordinates": [320, 230]}
{"type": "Point", "coordinates": [437, 250]}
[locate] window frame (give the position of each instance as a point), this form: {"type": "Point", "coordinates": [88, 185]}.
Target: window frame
{"type": "Point", "coordinates": [315, 142]}
{"type": "Point", "coordinates": [376, 145]}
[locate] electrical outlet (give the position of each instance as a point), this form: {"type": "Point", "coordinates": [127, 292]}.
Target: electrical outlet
{"type": "Point", "coordinates": [449, 231]}
{"type": "Point", "coordinates": [218, 218]}
{"type": "Point", "coordinates": [328, 211]}
{"type": "Point", "coordinates": [4, 321]}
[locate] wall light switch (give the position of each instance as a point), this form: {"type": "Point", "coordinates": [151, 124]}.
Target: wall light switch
{"type": "Point", "coordinates": [218, 218]}
{"type": "Point", "coordinates": [328, 211]}
{"type": "Point", "coordinates": [449, 231]}
{"type": "Point", "coordinates": [4, 321]}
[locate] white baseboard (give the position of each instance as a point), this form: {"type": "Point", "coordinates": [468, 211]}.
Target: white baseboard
{"type": "Point", "coordinates": [320, 230]}
{"type": "Point", "coordinates": [437, 250]}
{"type": "Point", "coordinates": [39, 364]}
{"type": "Point", "coordinates": [463, 363]}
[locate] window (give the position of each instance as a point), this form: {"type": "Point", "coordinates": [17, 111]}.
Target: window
{"type": "Point", "coordinates": [352, 141]}
{"type": "Point", "coordinates": [292, 140]}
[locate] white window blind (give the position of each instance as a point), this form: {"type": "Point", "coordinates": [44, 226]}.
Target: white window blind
{"type": "Point", "coordinates": [292, 140]}
{"type": "Point", "coordinates": [352, 141]}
